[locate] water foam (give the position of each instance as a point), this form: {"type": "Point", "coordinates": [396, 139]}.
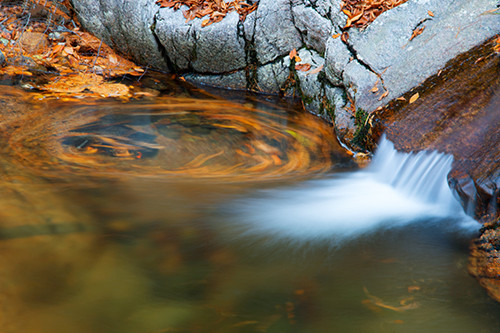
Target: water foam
{"type": "Point", "coordinates": [396, 189]}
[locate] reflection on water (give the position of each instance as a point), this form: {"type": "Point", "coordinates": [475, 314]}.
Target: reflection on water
{"type": "Point", "coordinates": [111, 222]}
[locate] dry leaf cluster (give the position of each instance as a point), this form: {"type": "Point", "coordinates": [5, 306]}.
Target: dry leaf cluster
{"type": "Point", "coordinates": [361, 13]}
{"type": "Point", "coordinates": [216, 10]}
{"type": "Point", "coordinates": [37, 38]}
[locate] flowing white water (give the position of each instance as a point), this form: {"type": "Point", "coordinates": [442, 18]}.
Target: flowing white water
{"type": "Point", "coordinates": [396, 189]}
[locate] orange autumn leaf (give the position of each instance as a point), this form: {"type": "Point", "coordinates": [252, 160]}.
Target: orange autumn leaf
{"type": "Point", "coordinates": [316, 70]}
{"type": "Point", "coordinates": [348, 13]}
{"type": "Point", "coordinates": [336, 35]}
{"type": "Point", "coordinates": [414, 98]}
{"type": "Point", "coordinates": [401, 98]}
{"type": "Point", "coordinates": [345, 36]}
{"type": "Point", "coordinates": [293, 53]}
{"type": "Point", "coordinates": [417, 32]}
{"type": "Point", "coordinates": [431, 14]}
{"type": "Point", "coordinates": [384, 95]}
{"type": "Point", "coordinates": [353, 19]}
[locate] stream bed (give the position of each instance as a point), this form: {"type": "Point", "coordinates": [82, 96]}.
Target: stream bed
{"type": "Point", "coordinates": [119, 217]}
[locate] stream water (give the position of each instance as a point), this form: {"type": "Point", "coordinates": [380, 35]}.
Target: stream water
{"type": "Point", "coordinates": [186, 212]}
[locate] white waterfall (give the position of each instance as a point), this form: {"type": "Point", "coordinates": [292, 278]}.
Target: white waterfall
{"type": "Point", "coordinates": [396, 189]}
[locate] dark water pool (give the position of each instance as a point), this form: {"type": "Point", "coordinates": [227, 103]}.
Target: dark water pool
{"type": "Point", "coordinates": [114, 219]}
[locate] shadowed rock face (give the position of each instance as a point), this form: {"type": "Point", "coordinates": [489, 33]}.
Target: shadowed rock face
{"type": "Point", "coordinates": [457, 113]}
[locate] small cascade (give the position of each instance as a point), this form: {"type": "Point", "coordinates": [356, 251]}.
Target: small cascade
{"type": "Point", "coordinates": [422, 175]}
{"type": "Point", "coordinates": [396, 189]}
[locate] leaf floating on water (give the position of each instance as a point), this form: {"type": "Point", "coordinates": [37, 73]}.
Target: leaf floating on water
{"type": "Point", "coordinates": [245, 323]}
{"type": "Point", "coordinates": [431, 14]}
{"type": "Point", "coordinates": [414, 98]}
{"type": "Point", "coordinates": [413, 288]}
{"type": "Point", "coordinates": [380, 303]}
{"type": "Point", "coordinates": [336, 35]}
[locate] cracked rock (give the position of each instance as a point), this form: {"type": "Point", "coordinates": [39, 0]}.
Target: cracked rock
{"type": "Point", "coordinates": [310, 85]}
{"type": "Point", "coordinates": [337, 56]}
{"type": "Point", "coordinates": [359, 81]}
{"type": "Point", "coordinates": [215, 49]}
{"type": "Point", "coordinates": [456, 27]}
{"type": "Point", "coordinates": [271, 78]}
{"type": "Point", "coordinates": [275, 32]}
{"type": "Point", "coordinates": [131, 34]}
{"type": "Point", "coordinates": [314, 28]}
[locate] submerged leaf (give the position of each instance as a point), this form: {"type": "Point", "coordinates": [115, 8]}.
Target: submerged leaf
{"type": "Point", "coordinates": [414, 98]}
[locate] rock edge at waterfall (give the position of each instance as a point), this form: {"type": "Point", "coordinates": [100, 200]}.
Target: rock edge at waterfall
{"type": "Point", "coordinates": [374, 65]}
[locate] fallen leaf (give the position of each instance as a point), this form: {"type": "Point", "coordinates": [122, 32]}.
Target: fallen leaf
{"type": "Point", "coordinates": [293, 53]}
{"type": "Point", "coordinates": [68, 50]}
{"type": "Point", "coordinates": [336, 35]}
{"type": "Point", "coordinates": [205, 22]}
{"type": "Point", "coordinates": [374, 89]}
{"type": "Point", "coordinates": [417, 32]}
{"type": "Point", "coordinates": [431, 14]}
{"type": "Point", "coordinates": [316, 70]}
{"type": "Point", "coordinates": [112, 58]}
{"type": "Point", "coordinates": [414, 98]}
{"type": "Point", "coordinates": [401, 98]}
{"type": "Point", "coordinates": [345, 36]}
{"type": "Point", "coordinates": [303, 67]}
{"type": "Point", "coordinates": [413, 288]}
{"type": "Point", "coordinates": [384, 95]}
{"type": "Point", "coordinates": [348, 13]}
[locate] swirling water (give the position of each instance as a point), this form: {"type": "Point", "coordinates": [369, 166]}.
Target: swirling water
{"type": "Point", "coordinates": [123, 218]}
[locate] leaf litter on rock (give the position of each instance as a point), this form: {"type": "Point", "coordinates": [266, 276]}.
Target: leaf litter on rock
{"type": "Point", "coordinates": [362, 13]}
{"type": "Point", "coordinates": [216, 10]}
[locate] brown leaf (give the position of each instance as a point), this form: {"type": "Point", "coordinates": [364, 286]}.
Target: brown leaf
{"type": "Point", "coordinates": [431, 14]}
{"type": "Point", "coordinates": [303, 67]}
{"type": "Point", "coordinates": [345, 36]}
{"type": "Point", "coordinates": [293, 53]}
{"type": "Point", "coordinates": [401, 98]}
{"type": "Point", "coordinates": [205, 22]}
{"type": "Point", "coordinates": [336, 35]}
{"type": "Point", "coordinates": [417, 32]}
{"type": "Point", "coordinates": [414, 98]}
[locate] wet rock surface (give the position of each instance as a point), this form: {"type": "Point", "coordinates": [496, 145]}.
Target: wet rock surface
{"type": "Point", "coordinates": [457, 113]}
{"type": "Point", "coordinates": [484, 263]}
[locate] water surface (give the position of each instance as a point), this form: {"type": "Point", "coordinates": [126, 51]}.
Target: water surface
{"type": "Point", "coordinates": [120, 218]}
